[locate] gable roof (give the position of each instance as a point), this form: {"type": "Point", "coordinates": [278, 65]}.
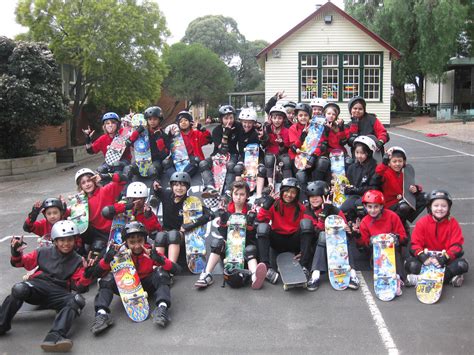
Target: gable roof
{"type": "Point", "coordinates": [330, 6]}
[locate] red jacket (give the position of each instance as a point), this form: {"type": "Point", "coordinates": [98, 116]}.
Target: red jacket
{"type": "Point", "coordinates": [387, 222]}
{"type": "Point", "coordinates": [143, 264]}
{"type": "Point", "coordinates": [194, 140]}
{"type": "Point", "coordinates": [318, 222]}
{"type": "Point", "coordinates": [437, 236]}
{"type": "Point", "coordinates": [294, 134]}
{"type": "Point", "coordinates": [283, 222]}
{"type": "Point", "coordinates": [43, 227]}
{"type": "Point", "coordinates": [272, 146]}
{"type": "Point", "coordinates": [231, 209]}
{"type": "Point", "coordinates": [102, 143]}
{"type": "Point", "coordinates": [333, 139]}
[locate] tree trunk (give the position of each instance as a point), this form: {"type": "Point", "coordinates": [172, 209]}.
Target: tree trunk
{"type": "Point", "coordinates": [419, 86]}
{"type": "Point", "coordinates": [79, 99]}
{"type": "Point", "coordinates": [399, 98]}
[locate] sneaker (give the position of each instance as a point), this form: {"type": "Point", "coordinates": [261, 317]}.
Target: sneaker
{"type": "Point", "coordinates": [101, 323]}
{"type": "Point", "coordinates": [160, 316]}
{"type": "Point", "coordinates": [412, 280]}
{"type": "Point", "coordinates": [272, 276]}
{"type": "Point", "coordinates": [457, 280]}
{"type": "Point", "coordinates": [313, 284]}
{"type": "Point", "coordinates": [204, 281]}
{"type": "Point", "coordinates": [260, 274]}
{"type": "Point", "coordinates": [400, 284]}
{"type": "Point", "coordinates": [54, 342]}
{"type": "Point", "coordinates": [354, 283]}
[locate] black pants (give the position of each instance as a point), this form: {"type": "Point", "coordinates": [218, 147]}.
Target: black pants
{"type": "Point", "coordinates": [456, 267]}
{"type": "Point", "coordinates": [156, 284]}
{"type": "Point", "coordinates": [96, 239]}
{"type": "Point", "coordinates": [49, 296]}
{"type": "Point", "coordinates": [410, 214]}
{"type": "Point", "coordinates": [280, 243]}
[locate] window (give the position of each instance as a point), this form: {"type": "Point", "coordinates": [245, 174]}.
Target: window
{"type": "Point", "coordinates": [372, 76]}
{"type": "Point", "coordinates": [309, 77]}
{"type": "Point", "coordinates": [350, 76]}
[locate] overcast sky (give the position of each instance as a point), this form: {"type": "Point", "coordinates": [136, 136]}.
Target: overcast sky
{"type": "Point", "coordinates": [257, 19]}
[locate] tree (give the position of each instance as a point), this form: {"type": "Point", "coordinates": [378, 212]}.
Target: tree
{"type": "Point", "coordinates": [114, 47]}
{"type": "Point", "coordinates": [247, 75]}
{"type": "Point", "coordinates": [30, 95]}
{"type": "Point", "coordinates": [196, 74]}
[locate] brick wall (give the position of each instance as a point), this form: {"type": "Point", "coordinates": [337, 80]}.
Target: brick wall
{"type": "Point", "coordinates": [51, 138]}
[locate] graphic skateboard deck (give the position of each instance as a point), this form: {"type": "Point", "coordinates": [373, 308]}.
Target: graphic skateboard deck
{"type": "Point", "coordinates": [311, 141]}
{"type": "Point", "coordinates": [179, 154]}
{"type": "Point", "coordinates": [235, 245]}
{"type": "Point", "coordinates": [133, 297]}
{"type": "Point", "coordinates": [430, 281]}
{"type": "Point", "coordinates": [195, 238]}
{"type": "Point", "coordinates": [337, 252]}
{"type": "Point", "coordinates": [219, 170]}
{"type": "Point", "coordinates": [408, 180]}
{"type": "Point", "coordinates": [117, 228]}
{"type": "Point", "coordinates": [79, 206]}
{"type": "Point", "coordinates": [251, 165]}
{"type": "Point", "coordinates": [385, 274]}
{"type": "Point", "coordinates": [291, 272]}
{"type": "Point", "coordinates": [339, 179]}
{"type": "Point", "coordinates": [118, 146]}
{"type": "Point", "coordinates": [141, 146]}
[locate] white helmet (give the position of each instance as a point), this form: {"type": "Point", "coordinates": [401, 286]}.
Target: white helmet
{"type": "Point", "coordinates": [369, 142]}
{"type": "Point", "coordinates": [137, 189]}
{"type": "Point", "coordinates": [81, 172]}
{"type": "Point", "coordinates": [398, 149]}
{"type": "Point", "coordinates": [279, 109]}
{"type": "Point", "coordinates": [248, 114]}
{"type": "Point", "coordinates": [317, 101]}
{"type": "Point", "coordinates": [62, 229]}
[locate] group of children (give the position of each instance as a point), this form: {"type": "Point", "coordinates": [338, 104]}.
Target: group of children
{"type": "Point", "coordinates": [289, 219]}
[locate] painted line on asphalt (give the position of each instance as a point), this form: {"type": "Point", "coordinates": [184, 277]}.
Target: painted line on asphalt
{"type": "Point", "coordinates": [435, 145]}
{"type": "Point", "coordinates": [465, 223]}
{"type": "Point", "coordinates": [377, 317]}
{"type": "Point", "coordinates": [437, 157]}
{"type": "Point", "coordinates": [462, 198]}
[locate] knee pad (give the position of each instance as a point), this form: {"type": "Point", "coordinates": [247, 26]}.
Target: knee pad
{"type": "Point", "coordinates": [250, 252]}
{"type": "Point", "coordinates": [460, 267]}
{"type": "Point", "coordinates": [413, 266]}
{"type": "Point", "coordinates": [191, 169]}
{"type": "Point", "coordinates": [204, 165]}
{"type": "Point", "coordinates": [263, 230]}
{"type": "Point", "coordinates": [98, 246]}
{"type": "Point", "coordinates": [262, 171]}
{"type": "Point", "coordinates": [103, 169]}
{"type": "Point", "coordinates": [323, 164]}
{"type": "Point", "coordinates": [285, 159]}
{"type": "Point", "coordinates": [230, 166]}
{"type": "Point", "coordinates": [301, 177]}
{"type": "Point", "coordinates": [218, 246]}
{"type": "Point", "coordinates": [77, 303]}
{"type": "Point", "coordinates": [107, 281]}
{"type": "Point", "coordinates": [403, 209]}
{"type": "Point", "coordinates": [161, 239]}
{"type": "Point", "coordinates": [359, 208]}
{"type": "Point", "coordinates": [162, 277]}
{"type": "Point", "coordinates": [306, 226]}
{"type": "Point", "coordinates": [21, 291]}
{"type": "Point", "coordinates": [238, 168]}
{"type": "Point", "coordinates": [322, 239]}
{"type": "Point", "coordinates": [269, 161]}
{"type": "Point", "coordinates": [174, 237]}
{"type": "Point", "coordinates": [167, 163]}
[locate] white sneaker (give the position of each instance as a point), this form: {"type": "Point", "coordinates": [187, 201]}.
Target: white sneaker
{"type": "Point", "coordinates": [457, 280]}
{"type": "Point", "coordinates": [412, 280]}
{"type": "Point", "coordinates": [204, 281]}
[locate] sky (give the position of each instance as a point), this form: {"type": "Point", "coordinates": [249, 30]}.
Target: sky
{"type": "Point", "coordinates": [256, 19]}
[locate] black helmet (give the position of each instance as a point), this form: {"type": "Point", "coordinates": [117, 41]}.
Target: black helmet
{"type": "Point", "coordinates": [236, 278]}
{"type": "Point", "coordinates": [291, 104]}
{"type": "Point", "coordinates": [353, 101]}
{"type": "Point", "coordinates": [134, 227]}
{"type": "Point", "coordinates": [317, 188]}
{"type": "Point", "coordinates": [184, 114]}
{"type": "Point", "coordinates": [438, 194]}
{"type": "Point", "coordinates": [290, 182]}
{"type": "Point", "coordinates": [225, 110]}
{"type": "Point", "coordinates": [153, 111]}
{"type": "Point", "coordinates": [301, 106]}
{"type": "Point", "coordinates": [180, 177]}
{"type": "Point", "coordinates": [53, 202]}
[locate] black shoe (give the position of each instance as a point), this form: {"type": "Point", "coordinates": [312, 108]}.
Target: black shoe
{"type": "Point", "coordinates": [101, 323]}
{"type": "Point", "coordinates": [56, 343]}
{"type": "Point", "coordinates": [4, 330]}
{"type": "Point", "coordinates": [313, 284]}
{"type": "Point", "coordinates": [160, 316]}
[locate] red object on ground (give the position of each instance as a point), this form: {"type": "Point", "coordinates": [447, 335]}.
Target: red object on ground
{"type": "Point", "coordinates": [435, 134]}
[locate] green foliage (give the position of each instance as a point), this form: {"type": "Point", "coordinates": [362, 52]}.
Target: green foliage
{"type": "Point", "coordinates": [196, 74]}
{"type": "Point", "coordinates": [248, 76]}
{"type": "Point", "coordinates": [30, 95]}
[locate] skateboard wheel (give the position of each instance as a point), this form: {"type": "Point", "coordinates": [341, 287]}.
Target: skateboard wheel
{"type": "Point", "coordinates": [305, 285]}
{"type": "Point", "coordinates": [145, 294]}
{"type": "Point", "coordinates": [285, 287]}
{"type": "Point", "coordinates": [125, 299]}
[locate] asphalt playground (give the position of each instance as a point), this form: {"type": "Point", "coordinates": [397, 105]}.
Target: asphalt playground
{"type": "Point", "coordinates": [270, 320]}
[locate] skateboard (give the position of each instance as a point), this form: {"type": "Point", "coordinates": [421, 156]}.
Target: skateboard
{"type": "Point", "coordinates": [195, 238]}
{"type": "Point", "coordinates": [339, 179]}
{"type": "Point", "coordinates": [291, 272]}
{"type": "Point", "coordinates": [219, 170]}
{"type": "Point", "coordinates": [79, 211]}
{"type": "Point", "coordinates": [133, 297]}
{"type": "Point", "coordinates": [179, 154]}
{"type": "Point", "coordinates": [141, 146]}
{"type": "Point", "coordinates": [385, 274]}
{"type": "Point", "coordinates": [337, 252]}
{"type": "Point", "coordinates": [251, 165]}
{"type": "Point", "coordinates": [118, 146]}
{"type": "Point", "coordinates": [310, 144]}
{"type": "Point", "coordinates": [235, 245]}
{"type": "Point", "coordinates": [408, 180]}
{"type": "Point", "coordinates": [430, 281]}
{"type": "Point", "coordinates": [118, 225]}
{"type": "Point", "coordinates": [378, 156]}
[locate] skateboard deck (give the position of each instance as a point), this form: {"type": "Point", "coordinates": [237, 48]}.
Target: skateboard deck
{"type": "Point", "coordinates": [251, 165]}
{"type": "Point", "coordinates": [195, 238]}
{"type": "Point", "coordinates": [235, 245]}
{"type": "Point", "coordinates": [430, 281]}
{"type": "Point", "coordinates": [291, 272]}
{"type": "Point", "coordinates": [219, 170]}
{"type": "Point", "coordinates": [118, 225]}
{"type": "Point", "coordinates": [133, 297]}
{"type": "Point", "coordinates": [339, 179]}
{"type": "Point", "coordinates": [179, 154]}
{"type": "Point", "coordinates": [310, 144]}
{"type": "Point", "coordinates": [118, 146]}
{"type": "Point", "coordinates": [141, 146]}
{"type": "Point", "coordinates": [337, 252]}
{"type": "Point", "coordinates": [79, 211]}
{"type": "Point", "coordinates": [385, 274]}
{"type": "Point", "coordinates": [378, 156]}
{"type": "Point", "coordinates": [408, 180]}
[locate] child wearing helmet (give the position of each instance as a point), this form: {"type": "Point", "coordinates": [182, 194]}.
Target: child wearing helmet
{"type": "Point", "coordinates": [240, 193]}
{"type": "Point", "coordinates": [438, 231]}
{"type": "Point", "coordinates": [317, 106]}
{"type": "Point", "coordinates": [53, 210]}
{"type": "Point", "coordinates": [391, 178]}
{"type": "Point", "coordinates": [279, 224]}
{"type": "Point", "coordinates": [361, 176]}
{"type": "Point", "coordinates": [297, 132]}
{"type": "Point", "coordinates": [153, 269]}
{"type": "Point", "coordinates": [335, 133]}
{"type": "Point", "coordinates": [381, 220]}
{"type": "Point", "coordinates": [319, 207]}
{"type": "Point", "coordinates": [59, 270]}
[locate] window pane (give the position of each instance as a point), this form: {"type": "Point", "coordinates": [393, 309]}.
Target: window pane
{"type": "Point", "coordinates": [351, 60]}
{"type": "Point", "coordinates": [330, 60]}
{"type": "Point", "coordinates": [330, 84]}
{"type": "Point", "coordinates": [372, 83]}
{"type": "Point", "coordinates": [350, 87]}
{"type": "Point", "coordinates": [372, 60]}
{"type": "Point", "coordinates": [309, 60]}
{"type": "Point", "coordinates": [309, 83]}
